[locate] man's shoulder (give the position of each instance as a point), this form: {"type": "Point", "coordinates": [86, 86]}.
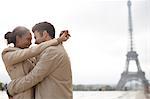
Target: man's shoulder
{"type": "Point", "coordinates": [53, 49]}
{"type": "Point", "coordinates": [54, 52]}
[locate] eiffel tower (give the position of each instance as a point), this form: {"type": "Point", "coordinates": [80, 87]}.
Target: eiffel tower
{"type": "Point", "coordinates": [132, 56]}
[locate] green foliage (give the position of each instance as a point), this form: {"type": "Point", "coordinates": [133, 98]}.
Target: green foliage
{"type": "Point", "coordinates": [1, 86]}
{"type": "Point", "coordinates": [81, 87]}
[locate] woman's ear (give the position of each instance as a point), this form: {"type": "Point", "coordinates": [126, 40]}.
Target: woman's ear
{"type": "Point", "coordinates": [17, 38]}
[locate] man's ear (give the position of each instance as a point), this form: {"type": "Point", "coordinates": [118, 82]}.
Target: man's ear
{"type": "Point", "coordinates": [45, 34]}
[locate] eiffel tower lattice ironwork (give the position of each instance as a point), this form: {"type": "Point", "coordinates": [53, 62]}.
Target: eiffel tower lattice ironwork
{"type": "Point", "coordinates": [131, 55]}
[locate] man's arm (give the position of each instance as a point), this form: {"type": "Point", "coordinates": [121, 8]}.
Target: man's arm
{"type": "Point", "coordinates": [13, 57]}
{"type": "Point", "coordinates": [42, 69]}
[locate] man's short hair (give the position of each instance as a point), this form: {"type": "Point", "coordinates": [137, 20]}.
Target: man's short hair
{"type": "Point", "coordinates": [44, 26]}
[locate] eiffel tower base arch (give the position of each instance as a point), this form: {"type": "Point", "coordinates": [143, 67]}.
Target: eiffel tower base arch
{"type": "Point", "coordinates": [129, 76]}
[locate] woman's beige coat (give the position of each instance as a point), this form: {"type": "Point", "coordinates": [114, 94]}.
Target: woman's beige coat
{"type": "Point", "coordinates": [19, 62]}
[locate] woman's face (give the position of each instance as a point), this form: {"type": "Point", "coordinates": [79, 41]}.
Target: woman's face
{"type": "Point", "coordinates": [24, 41]}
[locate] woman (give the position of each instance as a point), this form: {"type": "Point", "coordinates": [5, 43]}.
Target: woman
{"type": "Point", "coordinates": [19, 60]}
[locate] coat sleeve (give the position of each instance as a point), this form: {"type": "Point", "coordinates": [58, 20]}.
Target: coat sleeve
{"type": "Point", "coordinates": [43, 68]}
{"type": "Point", "coordinates": [13, 57]}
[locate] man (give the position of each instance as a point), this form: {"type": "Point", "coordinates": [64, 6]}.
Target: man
{"type": "Point", "coordinates": [52, 73]}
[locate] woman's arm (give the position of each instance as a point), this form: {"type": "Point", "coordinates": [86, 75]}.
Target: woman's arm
{"type": "Point", "coordinates": [11, 57]}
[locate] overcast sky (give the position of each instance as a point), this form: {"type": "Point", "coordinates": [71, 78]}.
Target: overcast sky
{"type": "Point", "coordinates": [99, 30]}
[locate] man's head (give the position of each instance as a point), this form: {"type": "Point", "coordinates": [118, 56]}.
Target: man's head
{"type": "Point", "coordinates": [43, 31]}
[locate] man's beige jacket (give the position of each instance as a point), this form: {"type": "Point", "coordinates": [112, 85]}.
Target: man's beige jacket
{"type": "Point", "coordinates": [51, 75]}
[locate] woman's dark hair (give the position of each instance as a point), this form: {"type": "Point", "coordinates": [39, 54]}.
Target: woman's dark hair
{"type": "Point", "coordinates": [44, 26]}
{"type": "Point", "coordinates": [18, 31]}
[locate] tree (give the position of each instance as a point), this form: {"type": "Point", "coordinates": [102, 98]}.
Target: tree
{"type": "Point", "coordinates": [1, 85]}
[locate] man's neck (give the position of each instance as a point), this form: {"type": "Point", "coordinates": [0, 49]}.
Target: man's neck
{"type": "Point", "coordinates": [48, 38]}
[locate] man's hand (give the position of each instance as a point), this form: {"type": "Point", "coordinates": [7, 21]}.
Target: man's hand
{"type": "Point", "coordinates": [5, 88]}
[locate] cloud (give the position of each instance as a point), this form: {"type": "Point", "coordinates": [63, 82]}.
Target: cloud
{"type": "Point", "coordinates": [99, 30]}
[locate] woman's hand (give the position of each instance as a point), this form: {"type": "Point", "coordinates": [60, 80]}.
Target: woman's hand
{"type": "Point", "coordinates": [64, 36]}
{"type": "Point", "coordinates": [10, 97]}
